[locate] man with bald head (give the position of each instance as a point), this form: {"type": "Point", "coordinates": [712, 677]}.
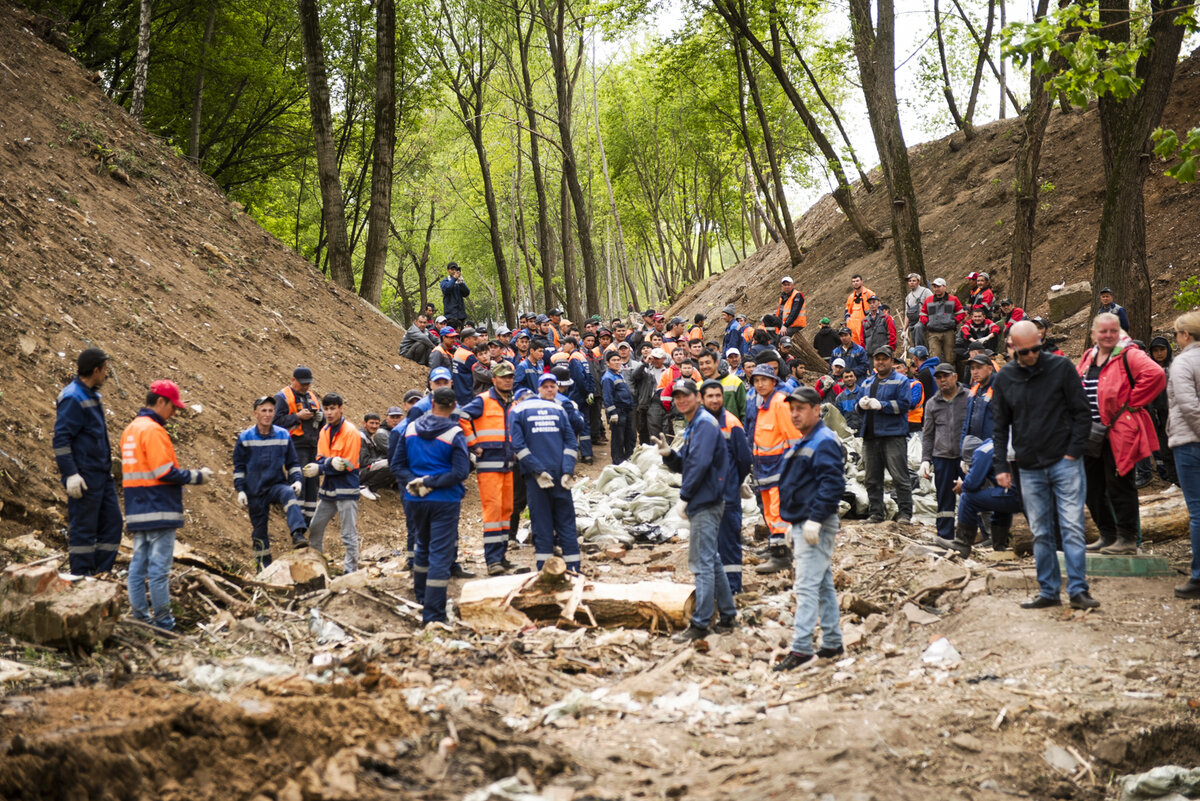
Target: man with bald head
{"type": "Point", "coordinates": [1039, 406]}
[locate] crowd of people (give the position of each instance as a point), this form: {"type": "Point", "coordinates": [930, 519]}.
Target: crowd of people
{"type": "Point", "coordinates": [1007, 425]}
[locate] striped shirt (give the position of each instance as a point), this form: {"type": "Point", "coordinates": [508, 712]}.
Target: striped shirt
{"type": "Point", "coordinates": [1091, 384]}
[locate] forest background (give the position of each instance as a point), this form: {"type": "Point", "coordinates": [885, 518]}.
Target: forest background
{"type": "Point", "coordinates": [592, 155]}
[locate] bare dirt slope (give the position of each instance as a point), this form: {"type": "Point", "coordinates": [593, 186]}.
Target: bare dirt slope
{"type": "Point", "coordinates": [108, 237]}
{"type": "Point", "coordinates": [964, 190]}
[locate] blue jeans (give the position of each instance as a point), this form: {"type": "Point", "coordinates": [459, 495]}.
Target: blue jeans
{"type": "Point", "coordinates": [1062, 485]}
{"type": "Point", "coordinates": [1187, 469]}
{"type": "Point", "coordinates": [711, 581]}
{"type": "Point", "coordinates": [815, 596]}
{"type": "Point", "coordinates": [153, 552]}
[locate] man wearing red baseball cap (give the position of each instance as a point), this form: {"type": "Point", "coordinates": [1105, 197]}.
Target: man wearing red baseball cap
{"type": "Point", "coordinates": [153, 484]}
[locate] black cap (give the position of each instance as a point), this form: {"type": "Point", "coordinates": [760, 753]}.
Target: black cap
{"type": "Point", "coordinates": [90, 359]}
{"type": "Point", "coordinates": [943, 369]}
{"type": "Point", "coordinates": [684, 385]}
{"type": "Point", "coordinates": [882, 350]}
{"type": "Point", "coordinates": [264, 399]}
{"type": "Point", "coordinates": [444, 396]}
{"type": "Point", "coordinates": [302, 374]}
{"type": "Point", "coordinates": [555, 312]}
{"type": "Point", "coordinates": [844, 331]}
{"type": "Point", "coordinates": [1006, 302]}
{"type": "Point", "coordinates": [805, 395]}
{"type": "Point", "coordinates": [1107, 290]}
{"type": "Point", "coordinates": [979, 358]}
{"type": "Point", "coordinates": [412, 396]}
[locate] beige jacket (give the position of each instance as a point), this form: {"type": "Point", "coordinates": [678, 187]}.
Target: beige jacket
{"type": "Point", "coordinates": [1183, 397]}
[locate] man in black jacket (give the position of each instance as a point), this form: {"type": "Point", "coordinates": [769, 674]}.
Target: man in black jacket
{"type": "Point", "coordinates": [1038, 403]}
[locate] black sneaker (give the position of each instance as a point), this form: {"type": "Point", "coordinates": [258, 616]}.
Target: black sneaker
{"type": "Point", "coordinates": [690, 634]}
{"type": "Point", "coordinates": [830, 653]}
{"type": "Point", "coordinates": [793, 660]}
{"type": "Point", "coordinates": [726, 624]}
{"type": "Point", "coordinates": [1041, 602]}
{"type": "Point", "coordinates": [300, 538]}
{"type": "Point", "coordinates": [874, 519]}
{"type": "Point", "coordinates": [497, 569]}
{"type": "Point", "coordinates": [1084, 600]}
{"type": "Point", "coordinates": [1189, 591]}
{"type": "Point", "coordinates": [459, 572]}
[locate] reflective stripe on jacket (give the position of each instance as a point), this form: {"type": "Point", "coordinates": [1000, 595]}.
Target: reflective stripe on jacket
{"type": "Point", "coordinates": [304, 432]}
{"type": "Point", "coordinates": [151, 475]}
{"type": "Point", "coordinates": [485, 423]}
{"type": "Point", "coordinates": [774, 433]}
{"type": "Point", "coordinates": [340, 440]}
{"type": "Point", "coordinates": [81, 434]}
{"type": "Point", "coordinates": [262, 462]}
{"type": "Point", "coordinates": [813, 477]}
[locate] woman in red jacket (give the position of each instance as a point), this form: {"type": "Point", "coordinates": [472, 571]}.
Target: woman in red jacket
{"type": "Point", "coordinates": [1119, 380]}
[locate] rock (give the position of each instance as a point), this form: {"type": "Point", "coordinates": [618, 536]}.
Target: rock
{"type": "Point", "coordinates": [349, 581]}
{"type": "Point", "coordinates": [852, 636]}
{"type": "Point", "coordinates": [38, 606]}
{"type": "Point", "coordinates": [967, 742]}
{"type": "Point", "coordinates": [976, 586]}
{"type": "Point", "coordinates": [341, 783]}
{"type": "Point", "coordinates": [915, 614]}
{"type": "Point", "coordinates": [1112, 749]}
{"type": "Point", "coordinates": [1018, 579]}
{"type": "Point", "coordinates": [1069, 299]}
{"type": "Point", "coordinates": [1060, 759]}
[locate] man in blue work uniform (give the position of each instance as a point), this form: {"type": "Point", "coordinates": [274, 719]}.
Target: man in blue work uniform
{"type": "Point", "coordinates": [811, 489]}
{"type": "Point", "coordinates": [529, 368]}
{"type": "Point", "coordinates": [431, 463]}
{"type": "Point", "coordinates": [887, 398]}
{"type": "Point", "coordinates": [703, 461]}
{"type": "Point", "coordinates": [978, 492]}
{"type": "Point", "coordinates": [84, 457]}
{"type": "Point", "coordinates": [266, 473]}
{"type": "Point", "coordinates": [854, 355]}
{"type": "Point", "coordinates": [454, 290]}
{"type": "Point", "coordinates": [618, 406]}
{"type": "Point", "coordinates": [438, 377]}
{"type": "Point", "coordinates": [733, 331]}
{"type": "Point", "coordinates": [729, 536]}
{"type": "Point", "coordinates": [547, 451]}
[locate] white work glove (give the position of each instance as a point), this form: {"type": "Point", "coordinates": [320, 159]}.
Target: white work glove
{"type": "Point", "coordinates": [787, 537]}
{"type": "Point", "coordinates": [310, 470]}
{"type": "Point", "coordinates": [378, 464]}
{"type": "Point", "coordinates": [545, 480]}
{"type": "Point", "coordinates": [864, 403]}
{"type": "Point", "coordinates": [925, 470]}
{"type": "Point", "coordinates": [660, 443]}
{"type": "Point", "coordinates": [680, 509]}
{"type": "Point", "coordinates": [206, 475]}
{"type": "Point", "coordinates": [567, 482]}
{"type": "Point", "coordinates": [415, 486]}
{"type": "Point", "coordinates": [75, 486]}
{"type": "Point", "coordinates": [338, 464]}
{"type": "Point", "coordinates": [591, 398]}
{"type": "Point", "coordinates": [875, 403]}
{"type": "Point", "coordinates": [811, 532]}
{"type": "Point", "coordinates": [612, 420]}
{"type": "Point", "coordinates": [746, 492]}
{"type": "Point", "coordinates": [297, 488]}
{"type": "Point", "coordinates": [243, 500]}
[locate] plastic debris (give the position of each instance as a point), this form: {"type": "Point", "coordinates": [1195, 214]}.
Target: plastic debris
{"type": "Point", "coordinates": [1166, 782]}
{"type": "Point", "coordinates": [326, 631]}
{"type": "Point", "coordinates": [941, 653]}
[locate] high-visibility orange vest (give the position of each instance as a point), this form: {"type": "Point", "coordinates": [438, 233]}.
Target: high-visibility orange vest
{"type": "Point", "coordinates": [696, 331]}
{"type": "Point", "coordinates": [293, 407]}
{"type": "Point", "coordinates": [917, 414]}
{"type": "Point", "coordinates": [559, 357]}
{"type": "Point", "coordinates": [785, 308]}
{"type": "Point", "coordinates": [774, 433]}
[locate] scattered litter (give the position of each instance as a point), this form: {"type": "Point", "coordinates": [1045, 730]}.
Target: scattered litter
{"type": "Point", "coordinates": [326, 631]}
{"type": "Point", "coordinates": [941, 653]}
{"type": "Point", "coordinates": [1166, 782]}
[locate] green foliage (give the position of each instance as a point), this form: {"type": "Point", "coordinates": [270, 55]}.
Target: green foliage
{"type": "Point", "coordinates": [1167, 146]}
{"type": "Point", "coordinates": [1188, 294]}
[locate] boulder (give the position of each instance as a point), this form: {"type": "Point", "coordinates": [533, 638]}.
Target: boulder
{"type": "Point", "coordinates": [39, 606]}
{"type": "Point", "coordinates": [1068, 300]}
{"type": "Point", "coordinates": [303, 570]}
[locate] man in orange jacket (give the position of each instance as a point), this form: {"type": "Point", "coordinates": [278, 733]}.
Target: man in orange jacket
{"type": "Point", "coordinates": [856, 307]}
{"type": "Point", "coordinates": [337, 464]}
{"type": "Point", "coordinates": [774, 433]}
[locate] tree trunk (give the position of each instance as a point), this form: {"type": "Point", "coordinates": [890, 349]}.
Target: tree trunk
{"type": "Point", "coordinates": [977, 78]}
{"type": "Point", "coordinates": [1003, 65]}
{"type": "Point", "coordinates": [1125, 128]}
{"type": "Point", "coordinates": [333, 210]}
{"type": "Point", "coordinates": [375, 260]}
{"type": "Point", "coordinates": [735, 14]}
{"type": "Point", "coordinates": [556, 36]}
{"type": "Point", "coordinates": [875, 49]}
{"type": "Point", "coordinates": [947, 89]}
{"type": "Point", "coordinates": [622, 259]}
{"type": "Point", "coordinates": [570, 276]}
{"type": "Point", "coordinates": [789, 229]}
{"type": "Point", "coordinates": [198, 86]}
{"type": "Point", "coordinates": [1025, 183]}
{"type": "Point", "coordinates": [142, 70]}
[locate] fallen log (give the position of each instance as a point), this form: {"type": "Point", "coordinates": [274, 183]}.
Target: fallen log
{"type": "Point", "coordinates": [1164, 516]}
{"type": "Point", "coordinates": [511, 603]}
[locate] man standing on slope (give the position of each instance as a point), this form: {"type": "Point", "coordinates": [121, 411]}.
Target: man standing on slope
{"type": "Point", "coordinates": [153, 483]}
{"type": "Point", "coordinates": [266, 473]}
{"type": "Point", "coordinates": [337, 462]}
{"type": "Point", "coordinates": [856, 307]}
{"type": "Point", "coordinates": [84, 457]}
{"type": "Point", "coordinates": [704, 463]}
{"type": "Point", "coordinates": [430, 461]}
{"type": "Point", "coordinates": [454, 290]}
{"type": "Point", "coordinates": [298, 410]}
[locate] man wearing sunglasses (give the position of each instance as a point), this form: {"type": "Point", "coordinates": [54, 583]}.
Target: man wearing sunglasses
{"type": "Point", "coordinates": [1038, 404]}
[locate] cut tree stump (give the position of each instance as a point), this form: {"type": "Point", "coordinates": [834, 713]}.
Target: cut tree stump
{"type": "Point", "coordinates": [1164, 517]}
{"type": "Point", "coordinates": [38, 606]}
{"type": "Point", "coordinates": [511, 603]}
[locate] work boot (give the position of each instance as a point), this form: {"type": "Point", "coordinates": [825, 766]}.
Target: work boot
{"type": "Point", "coordinates": [1001, 537]}
{"type": "Point", "coordinates": [1189, 591]}
{"type": "Point", "coordinates": [690, 634]}
{"type": "Point", "coordinates": [497, 569]}
{"type": "Point", "coordinates": [726, 624]}
{"type": "Point", "coordinates": [1120, 547]}
{"type": "Point", "coordinates": [792, 661]}
{"type": "Point", "coordinates": [964, 535]}
{"type": "Point", "coordinates": [1084, 600]}
{"type": "Point", "coordinates": [513, 567]}
{"type": "Point", "coordinates": [300, 538]}
{"type": "Point", "coordinates": [459, 572]}
{"type": "Point", "coordinates": [781, 559]}
{"type": "Point", "coordinates": [1103, 542]}
{"type": "Point", "coordinates": [830, 653]}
